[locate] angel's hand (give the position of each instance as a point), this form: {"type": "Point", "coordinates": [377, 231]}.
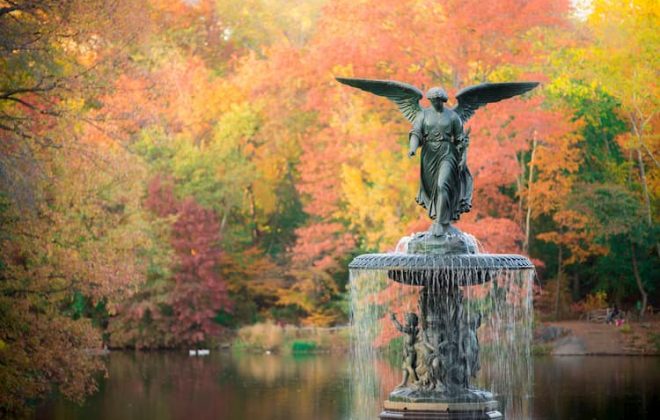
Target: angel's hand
{"type": "Point", "coordinates": [411, 152]}
{"type": "Point", "coordinates": [463, 163]}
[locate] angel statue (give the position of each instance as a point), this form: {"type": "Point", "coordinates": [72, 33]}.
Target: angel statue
{"type": "Point", "coordinates": [445, 189]}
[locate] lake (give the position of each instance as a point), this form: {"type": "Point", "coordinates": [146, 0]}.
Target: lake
{"type": "Point", "coordinates": [171, 385]}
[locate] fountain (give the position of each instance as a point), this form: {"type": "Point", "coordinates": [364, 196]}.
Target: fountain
{"type": "Point", "coordinates": [457, 287]}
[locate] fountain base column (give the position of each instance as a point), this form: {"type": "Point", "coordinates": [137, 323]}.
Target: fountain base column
{"type": "Point", "coordinates": [440, 410]}
{"type": "Point", "coordinates": [440, 359]}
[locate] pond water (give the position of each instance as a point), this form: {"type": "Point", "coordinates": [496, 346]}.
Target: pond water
{"type": "Point", "coordinates": [170, 385]}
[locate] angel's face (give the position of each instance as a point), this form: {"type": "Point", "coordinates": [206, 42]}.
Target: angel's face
{"type": "Point", "coordinates": [437, 96]}
{"type": "Point", "coordinates": [437, 103]}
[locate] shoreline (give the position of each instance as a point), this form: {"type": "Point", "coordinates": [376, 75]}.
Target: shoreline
{"type": "Point", "coordinates": [584, 338]}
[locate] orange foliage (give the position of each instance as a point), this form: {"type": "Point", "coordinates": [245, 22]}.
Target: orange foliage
{"type": "Point", "coordinates": [469, 42]}
{"type": "Point", "coordinates": [576, 235]}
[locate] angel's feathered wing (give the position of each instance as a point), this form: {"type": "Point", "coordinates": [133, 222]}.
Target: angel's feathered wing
{"type": "Point", "coordinates": [470, 99]}
{"type": "Point", "coordinates": [405, 96]}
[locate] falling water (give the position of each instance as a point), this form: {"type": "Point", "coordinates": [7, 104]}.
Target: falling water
{"type": "Point", "coordinates": [402, 245]}
{"type": "Point", "coordinates": [501, 296]}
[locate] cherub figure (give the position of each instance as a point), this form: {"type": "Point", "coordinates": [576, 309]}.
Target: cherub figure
{"type": "Point", "coordinates": [411, 331]}
{"type": "Point", "coordinates": [436, 359]}
{"type": "Point", "coordinates": [470, 346]}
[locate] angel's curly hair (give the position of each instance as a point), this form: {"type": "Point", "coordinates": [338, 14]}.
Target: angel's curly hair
{"type": "Point", "coordinates": [437, 92]}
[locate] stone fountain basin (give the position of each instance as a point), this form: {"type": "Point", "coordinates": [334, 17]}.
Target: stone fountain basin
{"type": "Point", "coordinates": [431, 270]}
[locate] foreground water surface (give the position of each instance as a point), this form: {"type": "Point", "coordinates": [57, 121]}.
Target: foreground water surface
{"type": "Point", "coordinates": [225, 386]}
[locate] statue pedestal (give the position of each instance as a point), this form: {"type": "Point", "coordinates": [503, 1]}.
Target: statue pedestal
{"type": "Point", "coordinates": [452, 242]}
{"type": "Point", "coordinates": [440, 410]}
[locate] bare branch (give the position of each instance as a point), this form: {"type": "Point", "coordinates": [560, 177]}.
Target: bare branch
{"type": "Point", "coordinates": [20, 101]}
{"type": "Point", "coordinates": [14, 7]}
{"type": "Point", "coordinates": [37, 88]}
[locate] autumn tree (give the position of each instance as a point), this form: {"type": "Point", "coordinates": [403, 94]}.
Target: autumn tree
{"type": "Point", "coordinates": [624, 46]}
{"type": "Point", "coordinates": [72, 227]}
{"type": "Point", "coordinates": [144, 320]}
{"type": "Point", "coordinates": [199, 292]}
{"type": "Point", "coordinates": [612, 88]}
{"type": "Point", "coordinates": [184, 292]}
{"type": "Point", "coordinates": [80, 241]}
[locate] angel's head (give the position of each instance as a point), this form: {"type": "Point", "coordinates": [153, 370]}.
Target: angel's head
{"type": "Point", "coordinates": [437, 96]}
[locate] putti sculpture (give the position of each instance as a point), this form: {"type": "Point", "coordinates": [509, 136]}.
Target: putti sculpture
{"type": "Point", "coordinates": [441, 354]}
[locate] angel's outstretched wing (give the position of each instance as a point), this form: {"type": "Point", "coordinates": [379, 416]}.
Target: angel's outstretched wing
{"type": "Point", "coordinates": [470, 99]}
{"type": "Point", "coordinates": [404, 95]}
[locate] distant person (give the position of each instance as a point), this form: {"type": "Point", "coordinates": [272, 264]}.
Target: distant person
{"type": "Point", "coordinates": [612, 315]}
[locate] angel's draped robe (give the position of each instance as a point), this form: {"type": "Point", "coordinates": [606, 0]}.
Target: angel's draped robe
{"type": "Point", "coordinates": [445, 189]}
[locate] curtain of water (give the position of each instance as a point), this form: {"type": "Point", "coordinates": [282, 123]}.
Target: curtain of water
{"type": "Point", "coordinates": [505, 306]}
{"type": "Point", "coordinates": [373, 298]}
{"type": "Point", "coordinates": [506, 338]}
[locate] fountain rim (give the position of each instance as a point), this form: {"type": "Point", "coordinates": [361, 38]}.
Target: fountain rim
{"type": "Point", "coordinates": [446, 262]}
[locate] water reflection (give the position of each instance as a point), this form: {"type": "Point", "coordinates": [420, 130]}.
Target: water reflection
{"type": "Point", "coordinates": [222, 386]}
{"type": "Point", "coordinates": [175, 386]}
{"type": "Point", "coordinates": [596, 388]}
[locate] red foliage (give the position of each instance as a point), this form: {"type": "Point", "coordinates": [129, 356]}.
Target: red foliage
{"type": "Point", "coordinates": [495, 235]}
{"type": "Point", "coordinates": [194, 289]}
{"type": "Point", "coordinates": [160, 197]}
{"type": "Point", "coordinates": [199, 293]}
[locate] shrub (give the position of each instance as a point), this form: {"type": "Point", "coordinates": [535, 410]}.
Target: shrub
{"type": "Point", "coordinates": [262, 336]}
{"type": "Point", "coordinates": [541, 349]}
{"type": "Point", "coordinates": [655, 339]}
{"type": "Point", "coordinates": [299, 346]}
{"type": "Point", "coordinates": [592, 302]}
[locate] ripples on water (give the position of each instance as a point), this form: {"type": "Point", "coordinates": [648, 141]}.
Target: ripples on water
{"type": "Point", "coordinates": [255, 387]}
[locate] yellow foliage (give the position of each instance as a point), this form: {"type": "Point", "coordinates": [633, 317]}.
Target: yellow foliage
{"type": "Point", "coordinates": [266, 336]}
{"type": "Point", "coordinates": [595, 301]}
{"type": "Point", "coordinates": [377, 199]}
{"type": "Point", "coordinates": [623, 59]}
{"type": "Point", "coordinates": [378, 189]}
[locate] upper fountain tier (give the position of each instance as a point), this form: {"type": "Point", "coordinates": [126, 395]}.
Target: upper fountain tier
{"type": "Point", "coordinates": [429, 269]}
{"type": "Point", "coordinates": [437, 260]}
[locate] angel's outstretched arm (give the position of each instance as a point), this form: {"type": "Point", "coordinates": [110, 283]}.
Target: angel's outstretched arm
{"type": "Point", "coordinates": [415, 135]}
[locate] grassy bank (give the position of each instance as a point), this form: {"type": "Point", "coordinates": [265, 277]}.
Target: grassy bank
{"type": "Point", "coordinates": [287, 339]}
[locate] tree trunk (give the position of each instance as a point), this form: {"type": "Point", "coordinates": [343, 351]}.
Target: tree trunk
{"type": "Point", "coordinates": [645, 190]}
{"type": "Point", "coordinates": [576, 287]}
{"type": "Point", "coordinates": [638, 128]}
{"type": "Point", "coordinates": [253, 213]}
{"type": "Point", "coordinates": [528, 216]}
{"type": "Point", "coordinates": [558, 288]}
{"type": "Point", "coordinates": [638, 279]}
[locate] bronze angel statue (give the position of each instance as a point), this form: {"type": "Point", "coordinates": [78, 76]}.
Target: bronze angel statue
{"type": "Point", "coordinates": [445, 189]}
